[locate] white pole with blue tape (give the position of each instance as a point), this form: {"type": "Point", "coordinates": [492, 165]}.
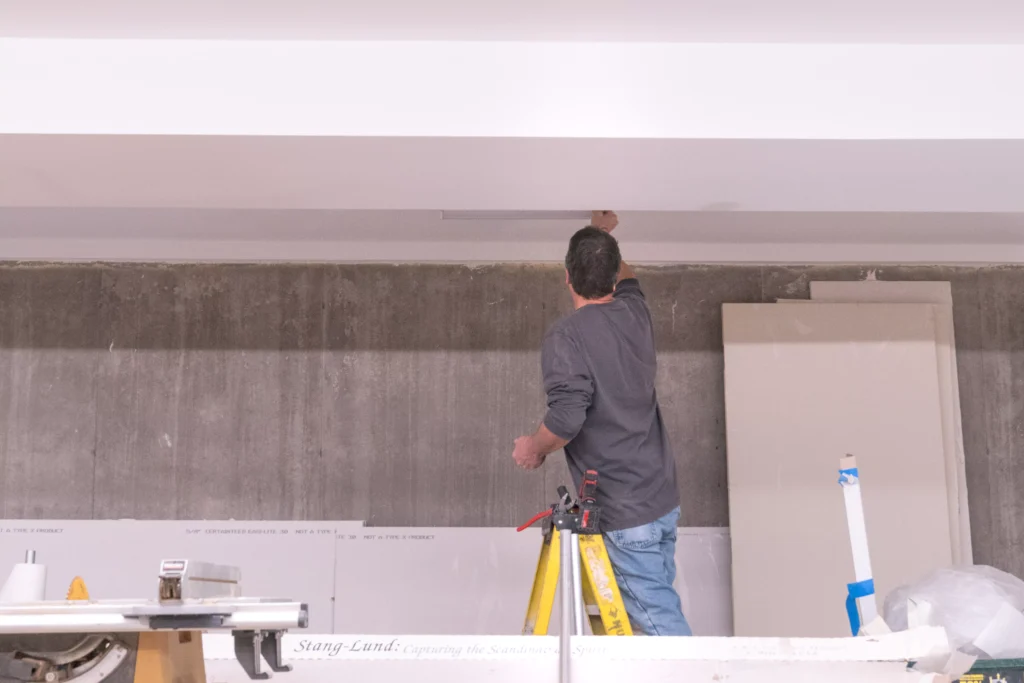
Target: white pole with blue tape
{"type": "Point", "coordinates": [861, 593]}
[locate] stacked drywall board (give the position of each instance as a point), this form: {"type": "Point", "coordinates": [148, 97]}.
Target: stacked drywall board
{"type": "Point", "coordinates": [939, 295]}
{"type": "Point", "coordinates": [355, 579]}
{"type": "Point", "coordinates": [512, 659]}
{"type": "Point", "coordinates": [805, 385]}
{"type": "Point", "coordinates": [120, 559]}
{"type": "Point", "coordinates": [461, 581]}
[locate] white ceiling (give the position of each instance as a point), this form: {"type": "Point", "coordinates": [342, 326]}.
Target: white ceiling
{"type": "Point", "coordinates": [708, 227]}
{"type": "Point", "coordinates": [229, 235]}
{"type": "Point", "coordinates": [815, 21]}
{"type": "Point", "coordinates": [909, 158]}
{"type": "Point", "coordinates": [958, 176]}
{"type": "Point", "coordinates": [518, 90]}
{"type": "Point", "coordinates": [511, 90]}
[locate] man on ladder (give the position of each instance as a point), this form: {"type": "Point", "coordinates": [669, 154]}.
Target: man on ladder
{"type": "Point", "coordinates": [599, 368]}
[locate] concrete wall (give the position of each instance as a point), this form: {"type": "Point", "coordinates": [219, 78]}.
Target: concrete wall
{"type": "Point", "coordinates": [393, 393]}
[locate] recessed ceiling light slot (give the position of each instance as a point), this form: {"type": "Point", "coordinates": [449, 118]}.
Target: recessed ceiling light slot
{"type": "Point", "coordinates": [515, 215]}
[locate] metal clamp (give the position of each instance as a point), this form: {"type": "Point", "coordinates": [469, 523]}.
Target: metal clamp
{"type": "Point", "coordinates": [271, 649]}
{"type": "Point", "coordinates": [252, 647]}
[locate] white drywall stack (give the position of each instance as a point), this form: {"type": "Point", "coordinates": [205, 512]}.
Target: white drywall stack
{"type": "Point", "coordinates": [355, 579]}
{"type": "Point", "coordinates": [805, 385]}
{"type": "Point", "coordinates": [119, 559]}
{"type": "Point", "coordinates": [476, 581]}
{"type": "Point", "coordinates": [939, 294]}
{"type": "Point", "coordinates": [500, 659]}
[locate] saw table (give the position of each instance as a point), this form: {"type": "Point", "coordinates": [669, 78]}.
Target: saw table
{"type": "Point", "coordinates": [146, 641]}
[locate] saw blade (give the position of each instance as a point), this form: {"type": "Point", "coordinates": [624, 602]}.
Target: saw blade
{"type": "Point", "coordinates": [98, 670]}
{"type": "Point", "coordinates": [83, 649]}
{"type": "Point", "coordinates": [91, 660]}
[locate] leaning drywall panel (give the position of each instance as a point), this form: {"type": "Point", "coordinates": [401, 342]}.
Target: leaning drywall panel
{"type": "Point", "coordinates": [120, 559]}
{"type": "Point", "coordinates": [805, 385]}
{"type": "Point", "coordinates": [476, 581]}
{"type": "Point", "coordinates": [940, 294]}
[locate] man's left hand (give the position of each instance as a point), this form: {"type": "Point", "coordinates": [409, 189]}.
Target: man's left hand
{"type": "Point", "coordinates": [526, 455]}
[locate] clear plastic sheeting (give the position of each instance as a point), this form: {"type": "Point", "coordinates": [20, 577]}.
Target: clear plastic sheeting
{"type": "Point", "coordinates": [981, 608]}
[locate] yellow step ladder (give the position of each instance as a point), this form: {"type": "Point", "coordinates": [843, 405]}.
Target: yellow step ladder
{"type": "Point", "coordinates": [588, 587]}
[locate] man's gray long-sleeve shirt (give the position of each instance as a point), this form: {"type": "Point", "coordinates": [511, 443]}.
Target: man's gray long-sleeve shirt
{"type": "Point", "coordinates": [599, 367]}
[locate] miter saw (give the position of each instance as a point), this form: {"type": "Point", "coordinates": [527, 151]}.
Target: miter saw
{"type": "Point", "coordinates": [144, 641]}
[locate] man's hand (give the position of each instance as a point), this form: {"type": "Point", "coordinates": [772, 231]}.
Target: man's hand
{"type": "Point", "coordinates": [608, 221]}
{"type": "Point", "coordinates": [526, 454]}
{"type": "Point", "coordinates": [604, 220]}
{"type": "Point", "coordinates": [530, 451]}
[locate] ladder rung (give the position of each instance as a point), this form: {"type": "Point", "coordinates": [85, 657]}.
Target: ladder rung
{"type": "Point", "coordinates": [593, 610]}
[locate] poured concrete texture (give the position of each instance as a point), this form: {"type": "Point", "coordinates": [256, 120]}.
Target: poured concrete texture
{"type": "Point", "coordinates": [393, 393]}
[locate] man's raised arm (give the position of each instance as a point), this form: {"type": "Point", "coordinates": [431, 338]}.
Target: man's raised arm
{"type": "Point", "coordinates": [608, 221]}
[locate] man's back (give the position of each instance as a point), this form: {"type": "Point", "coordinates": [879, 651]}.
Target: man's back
{"type": "Point", "coordinates": [599, 370]}
{"type": "Point", "coordinates": [601, 359]}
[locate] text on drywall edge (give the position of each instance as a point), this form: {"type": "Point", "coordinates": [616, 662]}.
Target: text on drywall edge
{"type": "Point", "coordinates": [337, 648]}
{"type": "Point", "coordinates": [333, 649]}
{"type": "Point", "coordinates": [385, 537]}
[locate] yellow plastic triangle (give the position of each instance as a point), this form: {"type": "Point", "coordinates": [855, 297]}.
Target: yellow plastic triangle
{"type": "Point", "coordinates": [78, 591]}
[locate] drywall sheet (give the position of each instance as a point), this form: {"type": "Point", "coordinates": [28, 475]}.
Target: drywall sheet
{"type": "Point", "coordinates": [940, 295]}
{"type": "Point", "coordinates": [120, 559]}
{"type": "Point", "coordinates": [425, 581]}
{"type": "Point", "coordinates": [476, 581]}
{"type": "Point", "coordinates": [545, 670]}
{"type": "Point", "coordinates": [369, 658]}
{"type": "Point", "coordinates": [435, 581]}
{"type": "Point", "coordinates": [805, 385]}
{"type": "Point", "coordinates": [703, 579]}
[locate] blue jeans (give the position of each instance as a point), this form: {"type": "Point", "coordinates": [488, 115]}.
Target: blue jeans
{"type": "Point", "coordinates": [644, 561]}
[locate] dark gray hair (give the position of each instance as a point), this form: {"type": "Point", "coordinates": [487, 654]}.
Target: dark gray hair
{"type": "Point", "coordinates": [593, 262]}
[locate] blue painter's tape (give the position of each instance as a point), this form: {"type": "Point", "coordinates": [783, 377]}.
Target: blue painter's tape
{"type": "Point", "coordinates": [854, 591]}
{"type": "Point", "coordinates": [847, 477]}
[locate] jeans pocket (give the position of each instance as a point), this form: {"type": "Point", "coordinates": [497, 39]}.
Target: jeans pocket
{"type": "Point", "coordinates": [637, 538]}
